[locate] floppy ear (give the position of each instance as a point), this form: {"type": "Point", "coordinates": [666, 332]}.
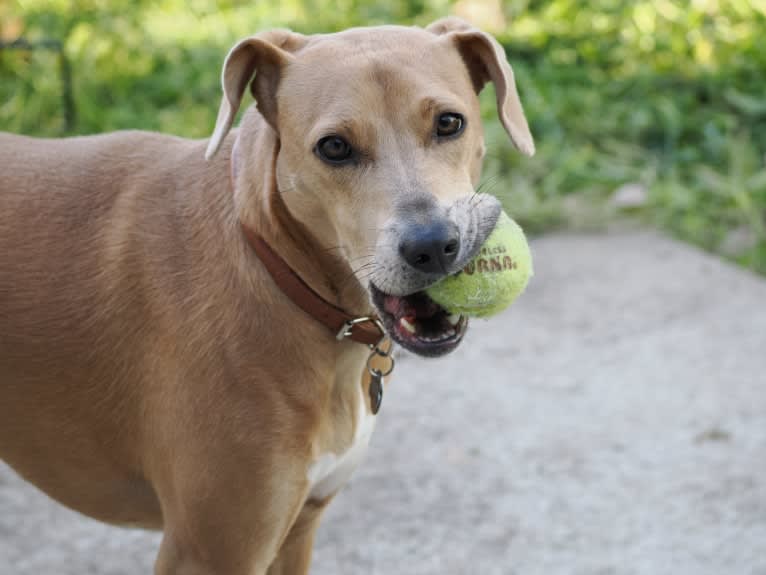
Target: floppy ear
{"type": "Point", "coordinates": [486, 61]}
{"type": "Point", "coordinates": [264, 55]}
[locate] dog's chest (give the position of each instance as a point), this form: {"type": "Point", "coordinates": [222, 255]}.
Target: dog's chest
{"type": "Point", "coordinates": [330, 471]}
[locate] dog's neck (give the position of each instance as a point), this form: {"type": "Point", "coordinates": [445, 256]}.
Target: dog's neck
{"type": "Point", "coordinates": [260, 206]}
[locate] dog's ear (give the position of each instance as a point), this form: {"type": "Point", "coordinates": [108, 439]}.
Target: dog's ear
{"type": "Point", "coordinates": [264, 55]}
{"type": "Point", "coordinates": [486, 61]}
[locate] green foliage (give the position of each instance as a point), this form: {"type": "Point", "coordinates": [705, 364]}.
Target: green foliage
{"type": "Point", "coordinates": [665, 94]}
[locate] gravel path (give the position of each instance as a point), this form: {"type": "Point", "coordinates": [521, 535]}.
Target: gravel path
{"type": "Point", "coordinates": [612, 422]}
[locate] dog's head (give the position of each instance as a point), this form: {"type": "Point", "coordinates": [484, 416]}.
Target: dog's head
{"type": "Point", "coordinates": [379, 151]}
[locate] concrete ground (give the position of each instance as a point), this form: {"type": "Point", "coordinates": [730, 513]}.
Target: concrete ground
{"type": "Point", "coordinates": [612, 422]}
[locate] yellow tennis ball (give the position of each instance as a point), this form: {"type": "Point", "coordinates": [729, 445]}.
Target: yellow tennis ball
{"type": "Point", "coordinates": [493, 279]}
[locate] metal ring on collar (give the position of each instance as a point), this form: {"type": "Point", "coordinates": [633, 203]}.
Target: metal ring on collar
{"type": "Point", "coordinates": [378, 352]}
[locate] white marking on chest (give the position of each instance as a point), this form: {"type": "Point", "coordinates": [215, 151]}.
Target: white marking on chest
{"type": "Point", "coordinates": [331, 471]}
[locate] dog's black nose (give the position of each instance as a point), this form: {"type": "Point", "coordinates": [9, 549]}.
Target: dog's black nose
{"type": "Point", "coordinates": [430, 247]}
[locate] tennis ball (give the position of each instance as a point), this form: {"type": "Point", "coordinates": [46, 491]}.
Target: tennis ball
{"type": "Point", "coordinates": [493, 279]}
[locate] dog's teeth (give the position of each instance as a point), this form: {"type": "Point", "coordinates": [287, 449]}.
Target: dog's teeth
{"type": "Point", "coordinates": [454, 318]}
{"type": "Point", "coordinates": [407, 325]}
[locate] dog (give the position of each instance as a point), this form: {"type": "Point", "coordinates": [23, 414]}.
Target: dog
{"type": "Point", "coordinates": [169, 351]}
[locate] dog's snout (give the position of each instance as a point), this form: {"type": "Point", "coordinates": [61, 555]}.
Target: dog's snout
{"type": "Point", "coordinates": [432, 247]}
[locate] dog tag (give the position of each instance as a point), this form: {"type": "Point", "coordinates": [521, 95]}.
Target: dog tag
{"type": "Point", "coordinates": [376, 390]}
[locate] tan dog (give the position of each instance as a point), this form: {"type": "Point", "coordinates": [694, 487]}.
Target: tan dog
{"type": "Point", "coordinates": [151, 371]}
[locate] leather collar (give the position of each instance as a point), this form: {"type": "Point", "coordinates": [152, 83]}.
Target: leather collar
{"type": "Point", "coordinates": [366, 330]}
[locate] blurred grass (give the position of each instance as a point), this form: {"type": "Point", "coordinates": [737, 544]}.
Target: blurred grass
{"type": "Point", "coordinates": [665, 96]}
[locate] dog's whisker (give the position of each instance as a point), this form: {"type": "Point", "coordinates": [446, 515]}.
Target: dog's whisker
{"type": "Point", "coordinates": [363, 267]}
{"type": "Point", "coordinates": [484, 187]}
{"type": "Point", "coordinates": [364, 277]}
{"type": "Point", "coordinates": [333, 248]}
{"type": "Point", "coordinates": [366, 273]}
{"type": "Point", "coordinates": [356, 259]}
{"type": "Point", "coordinates": [355, 274]}
{"type": "Point", "coordinates": [478, 201]}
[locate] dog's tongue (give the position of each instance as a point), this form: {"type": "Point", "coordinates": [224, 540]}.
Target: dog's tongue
{"type": "Point", "coordinates": [417, 305]}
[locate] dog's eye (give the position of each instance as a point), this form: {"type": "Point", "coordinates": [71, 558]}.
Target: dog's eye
{"type": "Point", "coordinates": [449, 124]}
{"type": "Point", "coordinates": [334, 150]}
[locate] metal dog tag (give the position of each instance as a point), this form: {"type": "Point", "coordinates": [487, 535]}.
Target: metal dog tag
{"type": "Point", "coordinates": [376, 390]}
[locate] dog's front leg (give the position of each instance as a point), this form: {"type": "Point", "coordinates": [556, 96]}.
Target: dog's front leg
{"type": "Point", "coordinates": [228, 521]}
{"type": "Point", "coordinates": [295, 554]}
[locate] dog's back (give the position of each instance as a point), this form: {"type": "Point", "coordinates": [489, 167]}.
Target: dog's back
{"type": "Point", "coordinates": [73, 215]}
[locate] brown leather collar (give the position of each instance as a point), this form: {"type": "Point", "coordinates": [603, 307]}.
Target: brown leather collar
{"type": "Point", "coordinates": [366, 330]}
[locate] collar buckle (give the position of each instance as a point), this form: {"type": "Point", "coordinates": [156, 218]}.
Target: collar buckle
{"type": "Point", "coordinates": [347, 329]}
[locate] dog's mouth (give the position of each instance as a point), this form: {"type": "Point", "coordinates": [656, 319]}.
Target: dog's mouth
{"type": "Point", "coordinates": [418, 323]}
